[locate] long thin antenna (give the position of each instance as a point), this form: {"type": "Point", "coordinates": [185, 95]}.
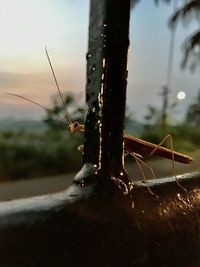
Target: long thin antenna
{"type": "Point", "coordinates": [29, 100]}
{"type": "Point", "coordinates": [56, 82]}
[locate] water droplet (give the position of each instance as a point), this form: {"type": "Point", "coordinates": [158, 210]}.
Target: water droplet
{"type": "Point", "coordinates": [93, 68]}
{"type": "Point", "coordinates": [88, 55]}
{"type": "Point", "coordinates": [104, 62]}
{"type": "Point", "coordinates": [82, 183]}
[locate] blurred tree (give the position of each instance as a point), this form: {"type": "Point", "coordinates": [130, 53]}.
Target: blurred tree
{"type": "Point", "coordinates": [129, 117]}
{"type": "Point", "coordinates": [193, 113]}
{"type": "Point", "coordinates": [56, 117]}
{"type": "Point", "coordinates": [152, 127]}
{"type": "Point", "coordinates": [153, 116]}
{"type": "Point", "coordinates": [187, 12]}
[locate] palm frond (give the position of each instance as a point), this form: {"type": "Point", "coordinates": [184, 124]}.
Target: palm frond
{"type": "Point", "coordinates": [134, 2]}
{"type": "Point", "coordinates": [185, 13]}
{"type": "Point", "coordinates": [191, 49]}
{"type": "Point", "coordinates": [166, 1]}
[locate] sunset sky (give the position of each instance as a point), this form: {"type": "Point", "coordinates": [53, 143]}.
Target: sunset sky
{"type": "Point", "coordinates": [26, 26]}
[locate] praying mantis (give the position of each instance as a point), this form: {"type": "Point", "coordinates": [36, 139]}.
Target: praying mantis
{"type": "Point", "coordinates": [133, 146]}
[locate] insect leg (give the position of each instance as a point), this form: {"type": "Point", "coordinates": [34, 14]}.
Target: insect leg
{"type": "Point", "coordinates": [173, 161]}
{"type": "Point", "coordinates": [139, 162]}
{"type": "Point", "coordinates": [81, 148]}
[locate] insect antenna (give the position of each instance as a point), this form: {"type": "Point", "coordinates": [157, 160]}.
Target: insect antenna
{"type": "Point", "coordinates": [57, 85]}
{"type": "Point", "coordinates": [35, 103]}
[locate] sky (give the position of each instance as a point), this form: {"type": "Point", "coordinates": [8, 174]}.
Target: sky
{"type": "Point", "coordinates": [26, 26]}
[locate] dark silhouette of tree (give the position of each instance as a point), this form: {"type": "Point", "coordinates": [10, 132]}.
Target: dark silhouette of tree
{"type": "Point", "coordinates": [187, 12]}
{"type": "Point", "coordinates": [191, 47]}
{"type": "Point", "coordinates": [134, 2]}
{"type": "Point", "coordinates": [193, 113]}
{"type": "Point", "coordinates": [153, 116]}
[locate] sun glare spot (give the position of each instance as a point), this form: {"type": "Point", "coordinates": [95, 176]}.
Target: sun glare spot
{"type": "Point", "coordinates": [181, 95]}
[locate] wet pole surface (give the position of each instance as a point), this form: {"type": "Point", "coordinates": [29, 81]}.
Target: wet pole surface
{"type": "Point", "coordinates": [106, 85]}
{"type": "Point", "coordinates": [94, 223]}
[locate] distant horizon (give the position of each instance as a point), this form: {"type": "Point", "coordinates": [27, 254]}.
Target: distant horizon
{"type": "Point", "coordinates": [63, 27]}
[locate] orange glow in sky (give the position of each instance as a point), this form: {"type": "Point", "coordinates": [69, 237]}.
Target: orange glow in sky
{"type": "Point", "coordinates": [26, 26]}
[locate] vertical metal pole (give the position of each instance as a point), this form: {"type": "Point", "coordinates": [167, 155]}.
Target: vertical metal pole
{"type": "Point", "coordinates": [106, 84]}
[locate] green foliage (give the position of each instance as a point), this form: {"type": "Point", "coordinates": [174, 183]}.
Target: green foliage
{"type": "Point", "coordinates": [153, 116]}
{"type": "Point", "coordinates": [185, 135]}
{"type": "Point", "coordinates": [193, 113]}
{"type": "Point", "coordinates": [27, 154]}
{"type": "Point", "coordinates": [184, 138]}
{"type": "Point", "coordinates": [57, 116]}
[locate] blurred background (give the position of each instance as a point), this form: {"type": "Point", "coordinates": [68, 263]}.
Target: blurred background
{"type": "Point", "coordinates": [163, 94]}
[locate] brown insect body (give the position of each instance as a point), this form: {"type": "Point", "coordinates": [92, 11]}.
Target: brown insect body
{"type": "Point", "coordinates": [144, 148]}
